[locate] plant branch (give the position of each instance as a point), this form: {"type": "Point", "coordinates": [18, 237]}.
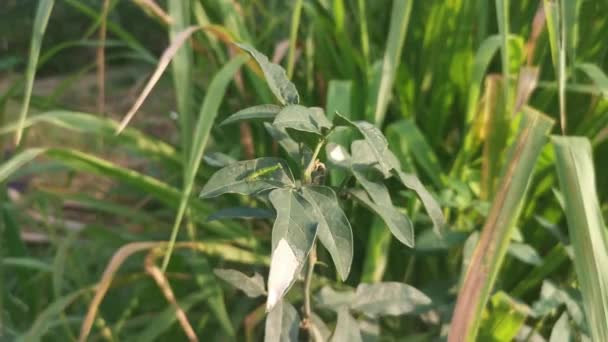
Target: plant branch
{"type": "Point", "coordinates": [307, 319]}
{"type": "Point", "coordinates": [307, 175]}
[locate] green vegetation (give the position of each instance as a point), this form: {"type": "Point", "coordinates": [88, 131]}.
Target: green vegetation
{"type": "Point", "coordinates": [402, 170]}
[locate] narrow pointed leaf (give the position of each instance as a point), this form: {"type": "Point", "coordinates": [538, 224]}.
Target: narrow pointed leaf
{"type": "Point", "coordinates": [293, 235]}
{"type": "Point", "coordinates": [249, 177]}
{"type": "Point", "coordinates": [261, 112]}
{"type": "Point", "coordinates": [276, 78]}
{"type": "Point", "coordinates": [388, 298]}
{"type": "Point", "coordinates": [252, 286]}
{"type": "Point", "coordinates": [433, 209]}
{"type": "Point", "coordinates": [334, 230]}
{"type": "Point", "coordinates": [282, 323]}
{"type": "Point", "coordinates": [597, 76]}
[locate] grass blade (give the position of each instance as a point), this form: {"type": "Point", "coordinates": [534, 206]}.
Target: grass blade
{"type": "Point", "coordinates": [396, 38]}
{"type": "Point", "coordinates": [496, 233]}
{"type": "Point", "coordinates": [293, 37]}
{"type": "Point", "coordinates": [211, 104]}
{"type": "Point", "coordinates": [43, 12]}
{"type": "Point", "coordinates": [587, 229]}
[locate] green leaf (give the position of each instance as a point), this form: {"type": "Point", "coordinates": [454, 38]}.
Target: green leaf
{"type": "Point", "coordinates": [428, 201]}
{"type": "Point", "coordinates": [43, 13]}
{"type": "Point", "coordinates": [252, 286]}
{"type": "Point", "coordinates": [338, 155]}
{"type": "Point", "coordinates": [240, 213]}
{"type": "Point", "coordinates": [588, 233]}
{"type": "Point", "coordinates": [282, 323]}
{"type": "Point", "coordinates": [597, 75]}
{"type": "Point", "coordinates": [287, 143]}
{"type": "Point", "coordinates": [525, 253]}
{"type": "Point", "coordinates": [388, 298]}
{"type": "Point", "coordinates": [561, 330]}
{"type": "Point", "coordinates": [293, 235]}
{"type": "Point", "coordinates": [309, 123]}
{"type": "Point", "coordinates": [331, 299]}
{"type": "Point", "coordinates": [347, 328]}
{"type": "Point", "coordinates": [276, 78]}
{"type": "Point", "coordinates": [334, 230]}
{"type": "Point", "coordinates": [320, 330]}
{"type": "Point", "coordinates": [249, 177]}
{"type": "Point", "coordinates": [380, 202]}
{"type": "Point", "coordinates": [504, 320]}
{"type": "Point", "coordinates": [261, 112]}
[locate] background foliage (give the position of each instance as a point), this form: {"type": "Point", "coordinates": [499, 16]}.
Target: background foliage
{"type": "Point", "coordinates": [466, 92]}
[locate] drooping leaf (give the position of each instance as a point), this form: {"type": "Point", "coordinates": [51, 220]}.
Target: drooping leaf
{"type": "Point", "coordinates": [334, 300]}
{"type": "Point", "coordinates": [428, 201]}
{"type": "Point", "coordinates": [388, 298]}
{"type": "Point", "coordinates": [252, 286]}
{"type": "Point", "coordinates": [249, 177]}
{"type": "Point", "coordinates": [293, 235]}
{"type": "Point", "coordinates": [282, 323]}
{"type": "Point", "coordinates": [240, 213]}
{"type": "Point", "coordinates": [287, 143]}
{"type": "Point", "coordinates": [334, 230]}
{"type": "Point", "coordinates": [347, 328]}
{"type": "Point", "coordinates": [261, 112]}
{"type": "Point", "coordinates": [376, 140]}
{"type": "Point", "coordinates": [276, 78]}
{"type": "Point", "coordinates": [380, 202]}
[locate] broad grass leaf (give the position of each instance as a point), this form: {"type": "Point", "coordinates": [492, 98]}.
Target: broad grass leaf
{"type": "Point", "coordinates": [261, 112]}
{"type": "Point", "coordinates": [249, 177]}
{"type": "Point", "coordinates": [388, 298]}
{"type": "Point", "coordinates": [240, 213]}
{"type": "Point", "coordinates": [282, 323]}
{"type": "Point", "coordinates": [276, 78]}
{"type": "Point", "coordinates": [252, 286]}
{"type": "Point", "coordinates": [293, 235]}
{"type": "Point", "coordinates": [347, 328]}
{"type": "Point", "coordinates": [334, 230]}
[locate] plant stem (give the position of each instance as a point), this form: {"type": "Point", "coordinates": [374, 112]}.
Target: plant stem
{"type": "Point", "coordinates": [312, 260]}
{"type": "Point", "coordinates": [307, 175]}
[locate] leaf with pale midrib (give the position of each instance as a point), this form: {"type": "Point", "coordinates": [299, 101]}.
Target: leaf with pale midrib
{"type": "Point", "coordinates": [261, 112]}
{"type": "Point", "coordinates": [235, 178]}
{"type": "Point", "coordinates": [334, 230]}
{"type": "Point", "coordinates": [276, 78]}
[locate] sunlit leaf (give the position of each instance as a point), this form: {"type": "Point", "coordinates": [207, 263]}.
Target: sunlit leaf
{"type": "Point", "coordinates": [249, 177]}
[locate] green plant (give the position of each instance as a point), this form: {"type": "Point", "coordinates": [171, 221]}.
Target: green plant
{"type": "Point", "coordinates": [307, 210]}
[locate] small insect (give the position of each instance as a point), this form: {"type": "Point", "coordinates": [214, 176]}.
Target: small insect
{"type": "Point", "coordinates": [263, 171]}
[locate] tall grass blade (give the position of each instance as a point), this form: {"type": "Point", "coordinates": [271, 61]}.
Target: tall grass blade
{"type": "Point", "coordinates": [293, 36]}
{"type": "Point", "coordinates": [588, 233]}
{"type": "Point", "coordinates": [496, 233]}
{"type": "Point", "coordinates": [208, 113]}
{"type": "Point", "coordinates": [502, 16]}
{"type": "Point", "coordinates": [396, 38]}
{"type": "Point", "coordinates": [43, 12]}
{"type": "Point", "coordinates": [179, 10]}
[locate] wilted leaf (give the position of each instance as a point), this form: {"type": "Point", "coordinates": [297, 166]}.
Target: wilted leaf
{"type": "Point", "coordinates": [249, 177]}
{"type": "Point", "coordinates": [261, 112]}
{"type": "Point", "coordinates": [347, 328]}
{"type": "Point", "coordinates": [293, 235]}
{"type": "Point", "coordinates": [276, 78]}
{"type": "Point", "coordinates": [389, 298]}
{"type": "Point", "coordinates": [240, 213]}
{"type": "Point", "coordinates": [282, 323]}
{"type": "Point", "coordinates": [252, 286]}
{"type": "Point", "coordinates": [331, 299]}
{"type": "Point", "coordinates": [334, 230]}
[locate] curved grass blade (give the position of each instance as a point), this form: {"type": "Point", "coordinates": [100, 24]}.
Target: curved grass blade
{"type": "Point", "coordinates": [43, 12]}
